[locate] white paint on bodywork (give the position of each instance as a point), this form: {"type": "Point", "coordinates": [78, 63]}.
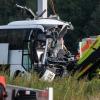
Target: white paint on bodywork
{"type": "Point", "coordinates": [15, 61]}
{"type": "Point", "coordinates": [39, 22]}
{"type": "Point", "coordinates": [4, 53]}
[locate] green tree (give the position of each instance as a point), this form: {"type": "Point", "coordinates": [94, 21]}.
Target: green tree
{"type": "Point", "coordinates": [84, 15]}
{"type": "Point", "coordinates": [93, 26]}
{"type": "Point", "coordinates": [79, 12]}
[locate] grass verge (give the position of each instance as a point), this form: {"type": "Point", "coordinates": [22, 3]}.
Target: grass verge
{"type": "Point", "coordinates": [64, 88]}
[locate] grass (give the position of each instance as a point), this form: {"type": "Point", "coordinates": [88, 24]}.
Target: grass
{"type": "Point", "coordinates": [64, 88]}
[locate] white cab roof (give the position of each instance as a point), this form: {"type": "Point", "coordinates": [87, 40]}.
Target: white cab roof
{"type": "Point", "coordinates": [44, 22]}
{"type": "Point", "coordinates": [21, 26]}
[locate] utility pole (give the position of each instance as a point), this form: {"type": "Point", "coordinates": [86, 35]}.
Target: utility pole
{"type": "Point", "coordinates": [42, 5]}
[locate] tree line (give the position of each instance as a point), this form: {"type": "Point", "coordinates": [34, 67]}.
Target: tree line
{"type": "Point", "coordinates": [84, 15]}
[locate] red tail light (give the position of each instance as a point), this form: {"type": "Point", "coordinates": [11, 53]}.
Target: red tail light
{"type": "Point", "coordinates": [42, 95]}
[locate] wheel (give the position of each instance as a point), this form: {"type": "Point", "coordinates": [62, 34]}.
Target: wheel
{"type": "Point", "coordinates": [18, 73]}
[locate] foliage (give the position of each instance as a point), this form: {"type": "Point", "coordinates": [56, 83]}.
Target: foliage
{"type": "Point", "coordinates": [92, 27]}
{"type": "Point", "coordinates": [79, 12]}
{"type": "Point", "coordinates": [84, 15]}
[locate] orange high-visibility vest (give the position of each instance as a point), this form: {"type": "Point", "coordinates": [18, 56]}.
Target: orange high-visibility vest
{"type": "Point", "coordinates": [3, 81]}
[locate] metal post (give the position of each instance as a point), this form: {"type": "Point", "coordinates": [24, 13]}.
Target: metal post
{"type": "Point", "coordinates": [42, 5]}
{"type": "Point", "coordinates": [45, 52]}
{"type": "Point", "coordinates": [50, 93]}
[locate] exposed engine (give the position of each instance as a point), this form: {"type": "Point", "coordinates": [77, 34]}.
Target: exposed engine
{"type": "Point", "coordinates": [47, 51]}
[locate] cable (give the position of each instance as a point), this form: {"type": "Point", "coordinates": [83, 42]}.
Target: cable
{"type": "Point", "coordinates": [53, 7]}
